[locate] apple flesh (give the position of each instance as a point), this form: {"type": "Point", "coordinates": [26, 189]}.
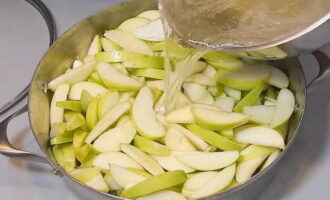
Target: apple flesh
{"type": "Point", "coordinates": [133, 23]}
{"type": "Point", "coordinates": [107, 101]}
{"type": "Point", "coordinates": [117, 56]}
{"type": "Point", "coordinates": [271, 158]}
{"type": "Point", "coordinates": [181, 115]}
{"type": "Point", "coordinates": [234, 93]}
{"type": "Point", "coordinates": [93, 89]}
{"type": "Point", "coordinates": [284, 107]}
{"type": "Point", "coordinates": [145, 62]}
{"type": "Point", "coordinates": [254, 151]}
{"type": "Point", "coordinates": [57, 129]}
{"type": "Point", "coordinates": [63, 138]}
{"type": "Point", "coordinates": [108, 45]}
{"type": "Point", "coordinates": [176, 141]}
{"type": "Point", "coordinates": [152, 31]}
{"type": "Point", "coordinates": [86, 174]}
{"type": "Point", "coordinates": [95, 46]}
{"type": "Point", "coordinates": [246, 169]}
{"type": "Point", "coordinates": [103, 160]}
{"type": "Point", "coordinates": [69, 105]}
{"type": "Point", "coordinates": [197, 93]}
{"type": "Point", "coordinates": [225, 103]}
{"type": "Point", "coordinates": [250, 98]}
{"type": "Point", "coordinates": [60, 94]}
{"type": "Point", "coordinates": [278, 78]}
{"type": "Point", "coordinates": [85, 99]}
{"type": "Point", "coordinates": [261, 114]}
{"type": "Point", "coordinates": [150, 14]}
{"type": "Point", "coordinates": [98, 183]}
{"type": "Point", "coordinates": [113, 185]}
{"type": "Point", "coordinates": [201, 79]}
{"type": "Point", "coordinates": [151, 147]}
{"type": "Point", "coordinates": [64, 156]}
{"type": "Point", "coordinates": [150, 73]}
{"type": "Point", "coordinates": [170, 163]}
{"type": "Point", "coordinates": [197, 181]}
{"type": "Point", "coordinates": [163, 195]}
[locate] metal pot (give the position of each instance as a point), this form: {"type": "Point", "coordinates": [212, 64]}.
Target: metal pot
{"type": "Point", "coordinates": [75, 43]}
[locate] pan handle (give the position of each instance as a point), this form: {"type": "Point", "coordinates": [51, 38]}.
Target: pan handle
{"type": "Point", "coordinates": [324, 72]}
{"type": "Point", "coordinates": [7, 149]}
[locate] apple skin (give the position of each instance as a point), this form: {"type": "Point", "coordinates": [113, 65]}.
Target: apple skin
{"type": "Point", "coordinates": [57, 129]}
{"type": "Point", "coordinates": [70, 105]}
{"type": "Point", "coordinates": [145, 62]}
{"type": "Point", "coordinates": [151, 147]}
{"type": "Point", "coordinates": [117, 56]}
{"type": "Point", "coordinates": [150, 73]}
{"type": "Point", "coordinates": [255, 151]}
{"type": "Point", "coordinates": [85, 99]}
{"type": "Point", "coordinates": [91, 114]}
{"type": "Point", "coordinates": [108, 45]}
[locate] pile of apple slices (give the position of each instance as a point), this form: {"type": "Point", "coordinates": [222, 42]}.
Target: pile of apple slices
{"type": "Point", "coordinates": [108, 130]}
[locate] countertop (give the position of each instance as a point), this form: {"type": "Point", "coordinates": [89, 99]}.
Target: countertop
{"type": "Point", "coordinates": [303, 174]}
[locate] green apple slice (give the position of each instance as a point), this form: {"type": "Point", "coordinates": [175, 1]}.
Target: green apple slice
{"type": "Point", "coordinates": [145, 62]}
{"type": "Point", "coordinates": [89, 158]}
{"type": "Point", "coordinates": [95, 46]}
{"type": "Point", "coordinates": [170, 163]}
{"type": "Point", "coordinates": [64, 156]}
{"type": "Point", "coordinates": [150, 14]}
{"type": "Point", "coordinates": [86, 174]}
{"type": "Point", "coordinates": [103, 160]}
{"type": "Point", "coordinates": [284, 107]}
{"type": "Point", "coordinates": [143, 159]}
{"type": "Point", "coordinates": [113, 185]}
{"type": "Point", "coordinates": [206, 161]}
{"type": "Point", "coordinates": [60, 94]}
{"type": "Point", "coordinates": [217, 183]}
{"type": "Point", "coordinates": [158, 46]}
{"type": "Point", "coordinates": [91, 114]}
{"type": "Point", "coordinates": [75, 75]}
{"type": "Point", "coordinates": [76, 121]}
{"type": "Point", "coordinates": [272, 53]}
{"type": "Point", "coordinates": [159, 84]}
{"type": "Point", "coordinates": [155, 183]}
{"type": "Point", "coordinates": [222, 60]}
{"type": "Point", "coordinates": [278, 78]}
{"type": "Point", "coordinates": [176, 141]}
{"type": "Point", "coordinates": [197, 93]}
{"type": "Point", "coordinates": [128, 41]}
{"type": "Point", "coordinates": [79, 139]}
{"type": "Point", "coordinates": [94, 77]}
{"type": "Point", "coordinates": [76, 63]}
{"type": "Point", "coordinates": [229, 133]}
{"type": "Point", "coordinates": [107, 101]}
{"type": "Point", "coordinates": [246, 169]}
{"type": "Point", "coordinates": [210, 72]}
{"type": "Point", "coordinates": [63, 138]}
{"type": "Point", "coordinates": [117, 56]}
{"type": "Point", "coordinates": [201, 79]}
{"type": "Point", "coordinates": [152, 31]}
{"type": "Point", "coordinates": [236, 94]}
{"type": "Point", "coordinates": [109, 118]}
{"type": "Point", "coordinates": [254, 151]}
{"type": "Point", "coordinates": [92, 88]}
{"type": "Point", "coordinates": [250, 98]}
{"type": "Point", "coordinates": [246, 78]}
{"type": "Point", "coordinates": [151, 147]}
{"type": "Point", "coordinates": [98, 183]}
{"type": "Point", "coordinates": [230, 65]}
{"type": "Point", "coordinates": [214, 138]}
{"type": "Point", "coordinates": [57, 129]}
{"type": "Point", "coordinates": [218, 120]}
{"type": "Point", "coordinates": [70, 105]}
{"type": "Point", "coordinates": [163, 195]}
{"type": "Point", "coordinates": [108, 45]}
{"type": "Point", "coordinates": [126, 177]}
{"type": "Point", "coordinates": [181, 101]}
{"type": "Point", "coordinates": [181, 115]}
{"type": "Point", "coordinates": [150, 73]}
{"type": "Point", "coordinates": [261, 114]}
{"type": "Point", "coordinates": [111, 139]}
{"type": "Point", "coordinates": [196, 182]}
{"type": "Point", "coordinates": [259, 135]}
{"type": "Point", "coordinates": [115, 79]}
{"type": "Point", "coordinates": [225, 103]}
{"type": "Point", "coordinates": [89, 58]}
{"type": "Point", "coordinates": [133, 23]}
{"type": "Point", "coordinates": [270, 159]}
{"type": "Point", "coordinates": [144, 117]}
{"type": "Point", "coordinates": [85, 99]}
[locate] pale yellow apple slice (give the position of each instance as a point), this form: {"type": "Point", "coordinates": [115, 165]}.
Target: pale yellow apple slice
{"type": "Point", "coordinates": [107, 120]}
{"type": "Point", "coordinates": [261, 114]}
{"type": "Point", "coordinates": [271, 158]}
{"type": "Point", "coordinates": [284, 107]}
{"type": "Point", "coordinates": [85, 174]}
{"type": "Point", "coordinates": [206, 161]}
{"type": "Point", "coordinates": [91, 114]}
{"type": "Point", "coordinates": [155, 183]}
{"type": "Point", "coordinates": [57, 129]}
{"type": "Point", "coordinates": [236, 94]}
{"type": "Point", "coordinates": [210, 72]}
{"type": "Point", "coordinates": [181, 115]}
{"type": "Point", "coordinates": [201, 79]}
{"type": "Point", "coordinates": [259, 135]}
{"type": "Point", "coordinates": [163, 195]}
{"type": "Point", "coordinates": [113, 185]}
{"type": "Point", "coordinates": [128, 41]}
{"type": "Point", "coordinates": [197, 93]}
{"type": "Point", "coordinates": [150, 73]}
{"type": "Point", "coordinates": [60, 94]}
{"type": "Point", "coordinates": [196, 182]}
{"type": "Point", "coordinates": [115, 79]}
{"type": "Point", "coordinates": [75, 75]}
{"type": "Point", "coordinates": [144, 117]}
{"type": "Point", "coordinates": [170, 163]}
{"type": "Point", "coordinates": [115, 57]}
{"type": "Point", "coordinates": [176, 141]}
{"type": "Point", "coordinates": [278, 78]}
{"type": "Point", "coordinates": [255, 151]}
{"type": "Point", "coordinates": [95, 46]}
{"type": "Point", "coordinates": [143, 159]}
{"type": "Point", "coordinates": [131, 24]}
{"type": "Point", "coordinates": [98, 183]}
{"type": "Point", "coordinates": [151, 147]}
{"type": "Point", "coordinates": [92, 88]}
{"type": "Point", "coordinates": [225, 103]}
{"type": "Point", "coordinates": [159, 84]}
{"type": "Point", "coordinates": [105, 159]}
{"type": "Point", "coordinates": [218, 120]}
{"type": "Point", "coordinates": [150, 14]}
{"type": "Point", "coordinates": [246, 169]}
{"type": "Point", "coordinates": [152, 31]}
{"type": "Point", "coordinates": [107, 101]}
{"type": "Point", "coordinates": [108, 45]}
{"type": "Point", "coordinates": [76, 64]}
{"type": "Point", "coordinates": [85, 100]}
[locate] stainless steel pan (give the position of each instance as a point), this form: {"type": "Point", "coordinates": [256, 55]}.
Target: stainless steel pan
{"type": "Point", "coordinates": [75, 43]}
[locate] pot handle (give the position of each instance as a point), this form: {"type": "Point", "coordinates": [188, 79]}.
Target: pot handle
{"type": "Point", "coordinates": [7, 149]}
{"type": "Point", "coordinates": [324, 72]}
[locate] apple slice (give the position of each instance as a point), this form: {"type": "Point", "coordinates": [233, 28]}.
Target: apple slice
{"type": "Point", "coordinates": [176, 141]}
{"type": "Point", "coordinates": [150, 14]}
{"type": "Point", "coordinates": [284, 107]}
{"type": "Point", "coordinates": [152, 31]}
{"type": "Point", "coordinates": [113, 185]}
{"type": "Point", "coordinates": [108, 45]}
{"type": "Point", "coordinates": [163, 195]}
{"type": "Point", "coordinates": [86, 174]}
{"type": "Point", "coordinates": [95, 78]}
{"type": "Point", "coordinates": [270, 159]}
{"type": "Point", "coordinates": [225, 103]}
{"type": "Point", "coordinates": [107, 120]}
{"type": "Point", "coordinates": [150, 73]}
{"type": "Point", "coordinates": [111, 139]}
{"type": "Point", "coordinates": [218, 120]}
{"type": "Point", "coordinates": [197, 93]}
{"type": "Point", "coordinates": [154, 184]}
{"type": "Point", "coordinates": [115, 79]}
{"type": "Point", "coordinates": [57, 129]}
{"type": "Point", "coordinates": [60, 94]}
{"type": "Point", "coordinates": [69, 105]}
{"type": "Point", "coordinates": [76, 121]}
{"type": "Point", "coordinates": [107, 101]}
{"type": "Point", "coordinates": [151, 147]}
{"type": "Point", "coordinates": [79, 139]}
{"type": "Point", "coordinates": [76, 63]}
{"type": "Point", "coordinates": [210, 72]}
{"type": "Point", "coordinates": [98, 183]}
{"type": "Point", "coordinates": [259, 135]}
{"type": "Point", "coordinates": [89, 58]}
{"type": "Point", "coordinates": [144, 117]}
{"type": "Point", "coordinates": [261, 114]}
{"type": "Point", "coordinates": [75, 75]}
{"type": "Point", "coordinates": [131, 24]}
{"type": "Point", "coordinates": [217, 183]}
{"type": "Point", "coordinates": [246, 169]}
{"type": "Point", "coordinates": [64, 156]}
{"type": "Point", "coordinates": [250, 98]}
{"type": "Point", "coordinates": [63, 138]}
{"type": "Point", "coordinates": [222, 60]}
{"type": "Point", "coordinates": [214, 138]}
{"type": "Point", "coordinates": [229, 133]}
{"type": "Point", "coordinates": [159, 84]}
{"type": "Point", "coordinates": [206, 161]}
{"type": "Point", "coordinates": [126, 177]}
{"type": "Point", "coordinates": [85, 99]}
{"type": "Point", "coordinates": [181, 101]}
{"type": "Point", "coordinates": [278, 78]}
{"type": "Point", "coordinates": [92, 88]}
{"type": "Point", "coordinates": [143, 159]}
{"type": "Point", "coordinates": [236, 94]}
{"type": "Point", "coordinates": [128, 41]}
{"type": "Point", "coordinates": [201, 79]}
{"type": "Point", "coordinates": [181, 115]}
{"type": "Point", "coordinates": [197, 181]}
{"type": "Point", "coordinates": [104, 159]}
{"type": "Point", "coordinates": [246, 78]}
{"type": "Point", "coordinates": [170, 163]}
{"type": "Point", "coordinates": [95, 46]}
{"type": "Point", "coordinates": [145, 62]}
{"type": "Point", "coordinates": [117, 56]}
{"type": "Point", "coordinates": [254, 151]}
{"type": "Point", "coordinates": [89, 158]}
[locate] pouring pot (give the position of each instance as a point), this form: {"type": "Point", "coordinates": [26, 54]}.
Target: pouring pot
{"type": "Point", "coordinates": [75, 42]}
